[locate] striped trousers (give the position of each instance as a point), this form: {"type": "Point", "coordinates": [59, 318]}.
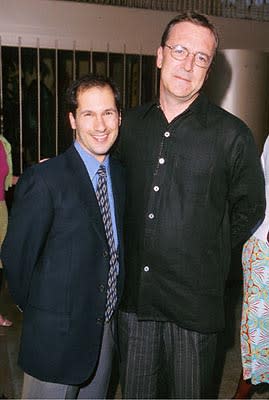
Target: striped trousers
{"type": "Point", "coordinates": [156, 355]}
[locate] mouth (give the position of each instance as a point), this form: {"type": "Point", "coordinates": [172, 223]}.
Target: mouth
{"type": "Point", "coordinates": [100, 138]}
{"type": "Point", "coordinates": [181, 78]}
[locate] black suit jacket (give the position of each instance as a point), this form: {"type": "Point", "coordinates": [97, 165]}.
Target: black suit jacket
{"type": "Point", "coordinates": [56, 260]}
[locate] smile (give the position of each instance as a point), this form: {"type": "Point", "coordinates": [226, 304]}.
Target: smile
{"type": "Point", "coordinates": [100, 138]}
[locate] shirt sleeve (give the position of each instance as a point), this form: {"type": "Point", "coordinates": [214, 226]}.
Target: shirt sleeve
{"type": "Point", "coordinates": [247, 188]}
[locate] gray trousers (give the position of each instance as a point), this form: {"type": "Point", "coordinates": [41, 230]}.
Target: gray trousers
{"type": "Point", "coordinates": [154, 355]}
{"type": "Point", "coordinates": [96, 388]}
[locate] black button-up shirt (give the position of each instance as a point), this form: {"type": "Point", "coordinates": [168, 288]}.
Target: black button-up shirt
{"type": "Point", "coordinates": [194, 188]}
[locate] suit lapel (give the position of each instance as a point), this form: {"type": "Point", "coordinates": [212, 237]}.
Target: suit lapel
{"type": "Point", "coordinates": [84, 188]}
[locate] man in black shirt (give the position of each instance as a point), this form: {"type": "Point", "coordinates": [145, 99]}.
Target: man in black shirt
{"type": "Point", "coordinates": [195, 188]}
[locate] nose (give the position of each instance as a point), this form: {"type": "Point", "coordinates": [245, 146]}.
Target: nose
{"type": "Point", "coordinates": [189, 62]}
{"type": "Point", "coordinates": [99, 124]}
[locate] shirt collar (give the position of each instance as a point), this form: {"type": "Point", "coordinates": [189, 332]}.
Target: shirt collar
{"type": "Point", "coordinates": [198, 107]}
{"type": "Point", "coordinates": [90, 161]}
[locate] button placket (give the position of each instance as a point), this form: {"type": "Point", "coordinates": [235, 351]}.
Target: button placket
{"type": "Point", "coordinates": [154, 200]}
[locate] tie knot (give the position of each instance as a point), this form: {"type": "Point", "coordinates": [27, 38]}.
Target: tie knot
{"type": "Point", "coordinates": [101, 171]}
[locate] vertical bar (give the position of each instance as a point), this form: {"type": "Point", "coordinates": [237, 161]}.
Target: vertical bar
{"type": "Point", "coordinates": [20, 103]}
{"type": "Point", "coordinates": [124, 78]}
{"type": "Point", "coordinates": [156, 81]}
{"type": "Point", "coordinates": [219, 8]}
{"type": "Point", "coordinates": [74, 76]}
{"type": "Point", "coordinates": [140, 76]}
{"type": "Point", "coordinates": [204, 6]}
{"type": "Point", "coordinates": [74, 60]}
{"type": "Point", "coordinates": [213, 10]}
{"type": "Point", "coordinates": [91, 60]}
{"type": "Point", "coordinates": [107, 61]}
{"type": "Point", "coordinates": [56, 101]}
{"type": "Point", "coordinates": [38, 101]}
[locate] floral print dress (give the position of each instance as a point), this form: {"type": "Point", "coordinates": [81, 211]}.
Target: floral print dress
{"type": "Point", "coordinates": [255, 311]}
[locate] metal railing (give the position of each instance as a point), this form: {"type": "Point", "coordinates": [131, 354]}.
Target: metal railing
{"type": "Point", "coordinates": [242, 9]}
{"type": "Point", "coordinates": [33, 84]}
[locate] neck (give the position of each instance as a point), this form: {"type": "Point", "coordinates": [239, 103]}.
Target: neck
{"type": "Point", "coordinates": [172, 107]}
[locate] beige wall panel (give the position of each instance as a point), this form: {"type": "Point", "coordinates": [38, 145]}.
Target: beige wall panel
{"type": "Point", "coordinates": [239, 83]}
{"type": "Point", "coordinates": [96, 25]}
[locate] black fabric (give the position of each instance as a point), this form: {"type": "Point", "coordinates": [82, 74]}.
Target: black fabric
{"type": "Point", "coordinates": [163, 360]}
{"type": "Point", "coordinates": [194, 189]}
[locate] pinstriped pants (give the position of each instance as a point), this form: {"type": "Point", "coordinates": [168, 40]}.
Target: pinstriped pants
{"type": "Point", "coordinates": [151, 349]}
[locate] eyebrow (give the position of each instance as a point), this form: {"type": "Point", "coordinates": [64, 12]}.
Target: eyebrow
{"type": "Point", "coordinates": [94, 112]}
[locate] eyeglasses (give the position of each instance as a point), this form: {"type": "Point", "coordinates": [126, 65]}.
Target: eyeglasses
{"type": "Point", "coordinates": [179, 53]}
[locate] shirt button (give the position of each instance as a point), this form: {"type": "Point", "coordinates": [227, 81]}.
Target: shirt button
{"type": "Point", "coordinates": [156, 188]}
{"type": "Point", "coordinates": [167, 134]}
{"type": "Point", "coordinates": [161, 160]}
{"type": "Point", "coordinates": [146, 268]}
{"type": "Point", "coordinates": [151, 216]}
{"type": "Point", "coordinates": [101, 288]}
{"type": "Point", "coordinates": [105, 254]}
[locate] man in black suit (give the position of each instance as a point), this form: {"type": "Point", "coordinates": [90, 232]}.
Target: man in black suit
{"type": "Point", "coordinates": [59, 253]}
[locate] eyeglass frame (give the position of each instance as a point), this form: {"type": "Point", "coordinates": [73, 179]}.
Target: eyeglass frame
{"type": "Point", "coordinates": [172, 48]}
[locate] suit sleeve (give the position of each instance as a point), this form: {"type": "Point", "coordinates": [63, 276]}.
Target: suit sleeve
{"type": "Point", "coordinates": [247, 188]}
{"type": "Point", "coordinates": [29, 223]}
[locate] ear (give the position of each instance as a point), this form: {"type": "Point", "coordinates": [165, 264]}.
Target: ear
{"type": "Point", "coordinates": [120, 118]}
{"type": "Point", "coordinates": [159, 59]}
{"type": "Point", "coordinates": [72, 120]}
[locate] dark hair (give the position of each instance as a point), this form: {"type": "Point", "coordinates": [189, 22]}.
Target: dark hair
{"type": "Point", "coordinates": [194, 18]}
{"type": "Point", "coordinates": [87, 82]}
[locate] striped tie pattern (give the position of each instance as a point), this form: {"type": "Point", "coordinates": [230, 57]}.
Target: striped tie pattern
{"type": "Point", "coordinates": [102, 198]}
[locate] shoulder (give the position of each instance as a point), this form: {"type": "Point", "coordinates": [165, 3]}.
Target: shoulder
{"type": "Point", "coordinates": [231, 136]}
{"type": "Point", "coordinates": [138, 112]}
{"type": "Point", "coordinates": [47, 172]}
{"type": "Point", "coordinates": [221, 117]}
{"type": "Point", "coordinates": [229, 130]}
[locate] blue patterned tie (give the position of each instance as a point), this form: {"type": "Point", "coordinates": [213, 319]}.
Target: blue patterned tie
{"type": "Point", "coordinates": [102, 197]}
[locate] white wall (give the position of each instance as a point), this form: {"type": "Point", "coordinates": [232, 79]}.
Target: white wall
{"type": "Point", "coordinates": [94, 26]}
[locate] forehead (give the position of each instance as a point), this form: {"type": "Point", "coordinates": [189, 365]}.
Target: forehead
{"type": "Point", "coordinates": [96, 95]}
{"type": "Point", "coordinates": [192, 36]}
